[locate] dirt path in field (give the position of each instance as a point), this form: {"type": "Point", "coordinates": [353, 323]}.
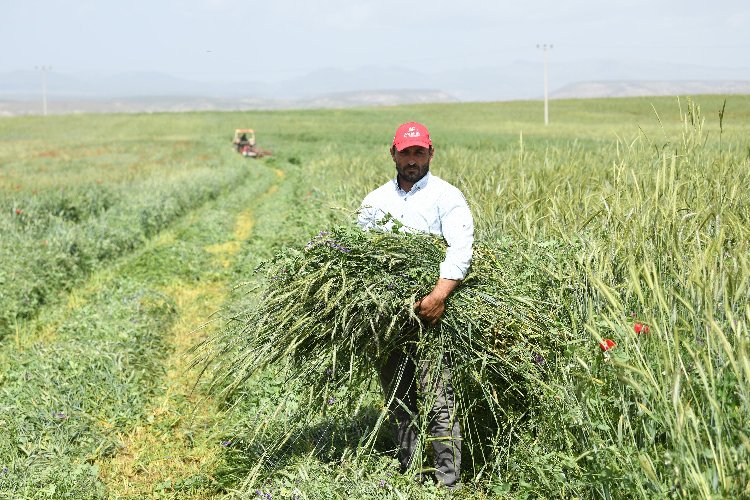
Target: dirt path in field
{"type": "Point", "coordinates": [179, 445]}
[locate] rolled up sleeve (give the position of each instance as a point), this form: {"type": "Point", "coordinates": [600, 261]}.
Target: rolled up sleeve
{"type": "Point", "coordinates": [458, 231]}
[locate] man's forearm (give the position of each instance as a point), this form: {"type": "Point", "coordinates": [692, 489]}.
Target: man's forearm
{"type": "Point", "coordinates": [443, 288]}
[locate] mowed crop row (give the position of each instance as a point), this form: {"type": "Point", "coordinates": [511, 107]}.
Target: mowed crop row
{"type": "Point", "coordinates": [87, 390]}
{"type": "Point", "coordinates": [68, 208]}
{"type": "Point", "coordinates": [647, 192]}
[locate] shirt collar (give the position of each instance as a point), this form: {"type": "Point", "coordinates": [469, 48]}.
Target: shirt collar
{"type": "Point", "coordinates": [420, 184]}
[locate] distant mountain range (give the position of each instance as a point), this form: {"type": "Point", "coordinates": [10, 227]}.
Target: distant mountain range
{"type": "Point", "coordinates": [649, 88]}
{"type": "Point", "coordinates": [20, 91]}
{"type": "Point", "coordinates": [153, 104]}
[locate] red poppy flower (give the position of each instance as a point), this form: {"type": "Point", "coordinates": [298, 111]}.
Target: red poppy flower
{"type": "Point", "coordinates": [606, 345]}
{"type": "Point", "coordinates": [19, 211]}
{"type": "Point", "coordinates": [641, 328]}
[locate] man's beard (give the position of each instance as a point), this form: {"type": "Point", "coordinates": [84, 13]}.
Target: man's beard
{"type": "Point", "coordinates": [419, 172]}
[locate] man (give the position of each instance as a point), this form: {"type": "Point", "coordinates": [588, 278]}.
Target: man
{"type": "Point", "coordinates": [425, 203]}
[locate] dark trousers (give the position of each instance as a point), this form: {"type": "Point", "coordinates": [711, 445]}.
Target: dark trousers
{"type": "Point", "coordinates": [408, 383]}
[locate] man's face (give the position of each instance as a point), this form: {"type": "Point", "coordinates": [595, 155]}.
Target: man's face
{"type": "Point", "coordinates": [412, 163]}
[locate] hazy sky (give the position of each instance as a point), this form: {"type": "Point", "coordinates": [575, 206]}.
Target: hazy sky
{"type": "Point", "coordinates": [277, 39]}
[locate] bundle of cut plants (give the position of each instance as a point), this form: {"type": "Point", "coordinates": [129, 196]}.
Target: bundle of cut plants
{"type": "Point", "coordinates": [324, 315]}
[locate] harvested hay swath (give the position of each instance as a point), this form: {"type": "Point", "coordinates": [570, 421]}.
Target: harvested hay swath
{"type": "Point", "coordinates": [325, 315]}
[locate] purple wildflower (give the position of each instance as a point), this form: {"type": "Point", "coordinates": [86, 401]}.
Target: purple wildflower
{"type": "Point", "coordinates": [331, 400]}
{"type": "Point", "coordinates": [338, 246]}
{"type": "Point", "coordinates": [60, 415]}
{"type": "Point", "coordinates": [382, 483]}
{"type": "Point", "coordinates": [5, 469]}
{"type": "Point", "coordinates": [259, 493]}
{"type": "Point", "coordinates": [538, 359]}
{"type": "Point", "coordinates": [226, 443]}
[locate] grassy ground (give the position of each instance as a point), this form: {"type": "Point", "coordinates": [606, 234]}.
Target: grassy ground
{"type": "Point", "coordinates": [123, 234]}
{"type": "Point", "coordinates": [144, 416]}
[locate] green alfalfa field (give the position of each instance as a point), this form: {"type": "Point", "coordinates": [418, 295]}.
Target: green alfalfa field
{"type": "Point", "coordinates": [127, 240]}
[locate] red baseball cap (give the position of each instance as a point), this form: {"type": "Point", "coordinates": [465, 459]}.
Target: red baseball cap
{"type": "Point", "coordinates": [411, 134]}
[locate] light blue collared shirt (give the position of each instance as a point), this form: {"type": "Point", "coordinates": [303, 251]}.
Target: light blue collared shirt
{"type": "Point", "coordinates": [432, 206]}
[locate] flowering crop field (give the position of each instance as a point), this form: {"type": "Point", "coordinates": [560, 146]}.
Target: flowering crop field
{"type": "Point", "coordinates": [124, 240]}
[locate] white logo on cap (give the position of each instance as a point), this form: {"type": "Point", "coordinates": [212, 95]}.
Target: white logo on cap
{"type": "Point", "coordinates": [413, 132]}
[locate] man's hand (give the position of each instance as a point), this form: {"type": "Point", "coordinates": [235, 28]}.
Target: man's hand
{"type": "Point", "coordinates": [432, 306]}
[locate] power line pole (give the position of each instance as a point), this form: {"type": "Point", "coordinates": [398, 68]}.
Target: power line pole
{"type": "Point", "coordinates": [546, 48]}
{"type": "Point", "coordinates": [44, 70]}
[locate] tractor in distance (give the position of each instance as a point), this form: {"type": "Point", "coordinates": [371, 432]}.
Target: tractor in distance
{"type": "Point", "coordinates": [244, 143]}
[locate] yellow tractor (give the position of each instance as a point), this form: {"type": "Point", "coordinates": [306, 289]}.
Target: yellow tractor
{"type": "Point", "coordinates": [244, 142]}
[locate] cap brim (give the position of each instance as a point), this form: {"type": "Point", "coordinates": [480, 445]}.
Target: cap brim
{"type": "Point", "coordinates": [406, 144]}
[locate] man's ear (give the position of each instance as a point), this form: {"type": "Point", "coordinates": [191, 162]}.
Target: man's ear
{"type": "Point", "coordinates": [393, 153]}
{"type": "Point", "coordinates": [432, 152]}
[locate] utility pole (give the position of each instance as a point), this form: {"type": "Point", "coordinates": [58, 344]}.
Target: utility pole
{"type": "Point", "coordinates": [44, 70]}
{"type": "Point", "coordinates": [546, 48]}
